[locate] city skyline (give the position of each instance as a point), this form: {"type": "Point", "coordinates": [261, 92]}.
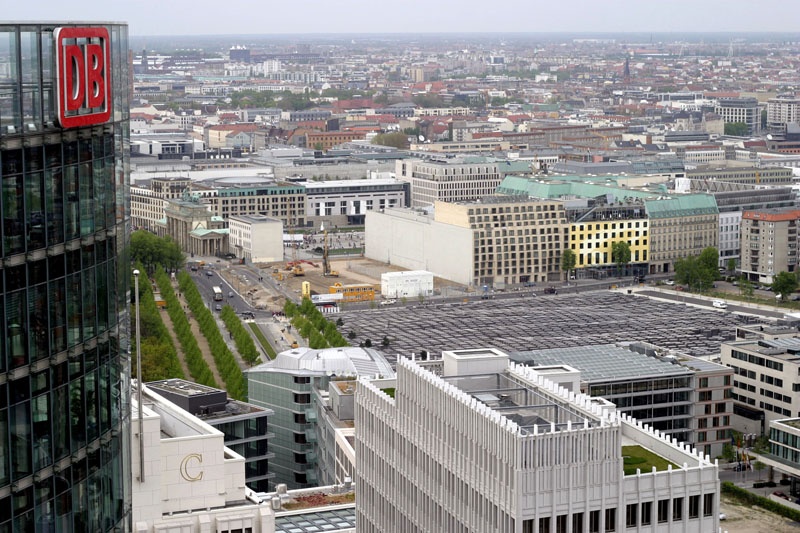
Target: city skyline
{"type": "Point", "coordinates": [200, 17]}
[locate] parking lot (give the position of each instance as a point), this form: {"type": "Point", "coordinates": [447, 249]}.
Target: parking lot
{"type": "Point", "coordinates": [530, 323]}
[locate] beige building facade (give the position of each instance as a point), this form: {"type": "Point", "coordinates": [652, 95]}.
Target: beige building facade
{"type": "Point", "coordinates": [769, 243]}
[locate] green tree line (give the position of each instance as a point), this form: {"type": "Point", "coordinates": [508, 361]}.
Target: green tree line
{"type": "Point", "coordinates": [226, 363]}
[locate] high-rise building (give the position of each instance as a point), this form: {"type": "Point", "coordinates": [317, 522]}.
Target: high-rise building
{"type": "Point", "coordinates": [64, 278]}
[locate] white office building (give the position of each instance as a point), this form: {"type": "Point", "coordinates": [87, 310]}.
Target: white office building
{"type": "Point", "coordinates": [492, 447]}
{"type": "Point", "coordinates": [256, 238]}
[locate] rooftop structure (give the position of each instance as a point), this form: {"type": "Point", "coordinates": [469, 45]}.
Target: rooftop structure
{"type": "Point", "coordinates": [245, 425]}
{"type": "Point", "coordinates": [494, 446]}
{"type": "Point", "coordinates": [192, 481]}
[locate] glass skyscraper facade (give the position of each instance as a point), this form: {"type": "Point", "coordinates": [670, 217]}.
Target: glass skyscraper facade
{"type": "Point", "coordinates": [64, 279]}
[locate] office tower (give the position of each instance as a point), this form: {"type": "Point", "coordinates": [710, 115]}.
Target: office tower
{"type": "Point", "coordinates": [64, 276]}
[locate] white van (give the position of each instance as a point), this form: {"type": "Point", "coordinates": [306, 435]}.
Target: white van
{"type": "Point", "coordinates": [719, 304]}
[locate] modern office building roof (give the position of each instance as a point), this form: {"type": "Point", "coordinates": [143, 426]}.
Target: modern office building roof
{"type": "Point", "coordinates": [605, 362]}
{"type": "Point", "coordinates": [528, 408]}
{"type": "Point", "coordinates": [333, 520]}
{"type": "Point", "coordinates": [340, 361]}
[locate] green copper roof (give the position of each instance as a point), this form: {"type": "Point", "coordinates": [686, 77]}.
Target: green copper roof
{"type": "Point", "coordinates": [682, 206]}
{"type": "Point", "coordinates": [658, 203]}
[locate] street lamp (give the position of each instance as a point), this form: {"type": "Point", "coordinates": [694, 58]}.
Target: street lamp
{"type": "Point", "coordinates": [139, 377]}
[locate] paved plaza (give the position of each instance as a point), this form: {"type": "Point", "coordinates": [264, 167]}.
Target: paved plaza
{"type": "Point", "coordinates": [533, 323]}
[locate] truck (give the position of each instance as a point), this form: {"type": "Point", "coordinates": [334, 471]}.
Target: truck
{"type": "Point", "coordinates": [217, 294]}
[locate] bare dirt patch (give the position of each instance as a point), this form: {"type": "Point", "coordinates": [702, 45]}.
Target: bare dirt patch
{"type": "Point", "coordinates": [750, 519]}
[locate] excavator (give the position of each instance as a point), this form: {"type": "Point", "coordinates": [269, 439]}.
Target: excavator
{"type": "Point", "coordinates": [326, 265]}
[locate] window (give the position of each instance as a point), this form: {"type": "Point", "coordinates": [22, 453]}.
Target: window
{"type": "Point", "coordinates": [647, 513]}
{"type": "Point", "coordinates": [594, 522]}
{"type": "Point", "coordinates": [302, 398]}
{"type": "Point", "coordinates": [630, 514]}
{"type": "Point", "coordinates": [577, 522]}
{"type": "Point", "coordinates": [300, 418]}
{"type": "Point", "coordinates": [300, 438]}
{"type": "Point", "coordinates": [708, 504]}
{"type": "Point", "coordinates": [561, 523]}
{"type": "Point", "coordinates": [300, 477]}
{"type": "Point", "coordinates": [300, 458]}
{"type": "Point", "coordinates": [694, 506]}
{"type": "Point", "coordinates": [544, 524]}
{"type": "Point", "coordinates": [302, 379]}
{"type": "Point", "coordinates": [663, 511]}
{"type": "Point", "coordinates": [611, 520]}
{"type": "Point", "coordinates": [677, 509]}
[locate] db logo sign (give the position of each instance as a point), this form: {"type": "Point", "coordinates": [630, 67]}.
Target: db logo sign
{"type": "Point", "coordinates": [83, 76]}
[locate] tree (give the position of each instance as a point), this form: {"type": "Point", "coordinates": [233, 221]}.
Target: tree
{"type": "Point", "coordinates": [698, 272]}
{"type": "Point", "coordinates": [737, 129]}
{"type": "Point", "coordinates": [746, 288]}
{"type": "Point", "coordinates": [395, 139]}
{"type": "Point", "coordinates": [709, 259]}
{"type": "Point", "coordinates": [784, 284]}
{"type": "Point", "coordinates": [758, 466]}
{"type": "Point", "coordinates": [728, 453]}
{"type": "Point", "coordinates": [151, 250]}
{"type": "Point", "coordinates": [620, 254]}
{"type": "Point", "coordinates": [731, 265]}
{"type": "Point", "coordinates": [567, 261]}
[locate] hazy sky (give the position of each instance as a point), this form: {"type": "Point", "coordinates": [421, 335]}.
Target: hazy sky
{"type": "Point", "coordinates": [195, 17]}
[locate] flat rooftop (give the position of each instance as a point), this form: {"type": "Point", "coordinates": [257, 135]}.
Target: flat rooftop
{"type": "Point", "coordinates": [524, 405]}
{"type": "Point", "coordinates": [605, 362]}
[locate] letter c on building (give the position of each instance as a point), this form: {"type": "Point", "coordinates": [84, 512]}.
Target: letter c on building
{"type": "Point", "coordinates": [185, 467]}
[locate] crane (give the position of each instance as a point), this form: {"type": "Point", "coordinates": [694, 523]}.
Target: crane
{"type": "Point", "coordinates": [296, 269]}
{"type": "Point", "coordinates": [326, 266]}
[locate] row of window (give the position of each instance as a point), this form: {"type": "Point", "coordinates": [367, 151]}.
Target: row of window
{"type": "Point", "coordinates": [636, 514]}
{"type": "Point", "coordinates": [757, 360]}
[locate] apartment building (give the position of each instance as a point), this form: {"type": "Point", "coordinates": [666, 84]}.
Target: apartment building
{"type": "Point", "coordinates": [493, 242]}
{"type": "Point", "coordinates": [682, 396]}
{"type": "Point", "coordinates": [493, 446]}
{"type": "Point", "coordinates": [782, 110]}
{"type": "Point", "coordinates": [743, 110]}
{"type": "Point", "coordinates": [458, 180]}
{"type": "Point", "coordinates": [769, 243]}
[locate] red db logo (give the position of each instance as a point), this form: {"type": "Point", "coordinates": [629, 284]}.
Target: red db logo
{"type": "Point", "coordinates": [84, 76]}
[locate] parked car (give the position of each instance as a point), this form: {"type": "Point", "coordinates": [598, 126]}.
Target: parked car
{"type": "Point", "coordinates": [669, 282]}
{"type": "Point", "coordinates": [391, 301]}
{"type": "Point", "coordinates": [550, 290]}
{"type": "Point", "coordinates": [719, 304]}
